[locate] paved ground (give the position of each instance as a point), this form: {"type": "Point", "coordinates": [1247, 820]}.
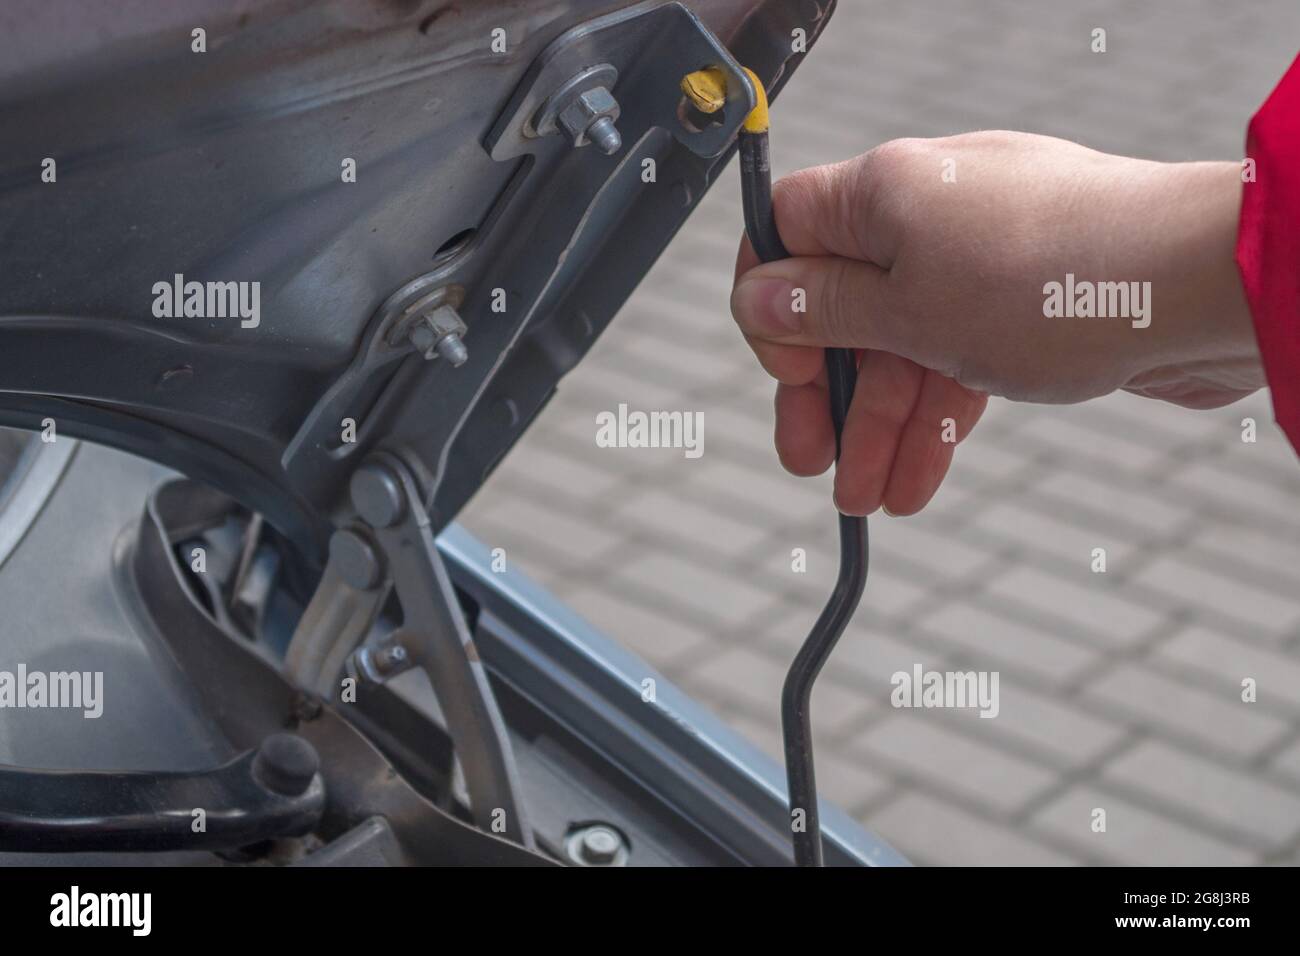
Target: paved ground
{"type": "Point", "coordinates": [1118, 690]}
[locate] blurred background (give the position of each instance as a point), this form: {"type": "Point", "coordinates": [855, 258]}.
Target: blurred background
{"type": "Point", "coordinates": [1119, 690]}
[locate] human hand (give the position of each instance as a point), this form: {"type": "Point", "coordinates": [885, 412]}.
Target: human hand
{"type": "Point", "coordinates": [934, 257]}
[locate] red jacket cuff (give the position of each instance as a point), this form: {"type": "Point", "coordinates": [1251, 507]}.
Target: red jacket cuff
{"type": "Point", "coordinates": [1268, 245]}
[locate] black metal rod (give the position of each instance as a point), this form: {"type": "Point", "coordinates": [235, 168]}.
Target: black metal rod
{"type": "Point", "coordinates": [796, 694]}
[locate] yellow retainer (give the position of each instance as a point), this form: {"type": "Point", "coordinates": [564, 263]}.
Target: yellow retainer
{"type": "Point", "coordinates": [707, 90]}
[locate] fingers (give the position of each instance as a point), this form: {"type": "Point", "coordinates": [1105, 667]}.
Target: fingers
{"type": "Point", "coordinates": [788, 364]}
{"type": "Point", "coordinates": [820, 212]}
{"type": "Point", "coordinates": [886, 393]}
{"type": "Point", "coordinates": [903, 425]}
{"type": "Point", "coordinates": [826, 210]}
{"type": "Point", "coordinates": [821, 302]}
{"type": "Point", "coordinates": [805, 438]}
{"type": "Point", "coordinates": [944, 415]}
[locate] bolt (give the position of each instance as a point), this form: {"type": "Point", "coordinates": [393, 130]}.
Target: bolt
{"type": "Point", "coordinates": [390, 659]}
{"type": "Point", "coordinates": [378, 664]}
{"type": "Point", "coordinates": [589, 118]}
{"type": "Point", "coordinates": [438, 332]}
{"type": "Point", "coordinates": [597, 845]}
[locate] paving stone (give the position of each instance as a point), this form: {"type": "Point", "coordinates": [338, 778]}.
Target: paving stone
{"type": "Point", "coordinates": [1235, 801]}
{"type": "Point", "coordinates": [1133, 836]}
{"type": "Point", "coordinates": [1071, 542]}
{"type": "Point", "coordinates": [606, 385]}
{"type": "Point", "coordinates": [709, 591]}
{"type": "Point", "coordinates": [867, 657]}
{"type": "Point", "coordinates": [1220, 593]}
{"type": "Point", "coordinates": [941, 555]}
{"type": "Point", "coordinates": [1271, 554]}
{"type": "Point", "coordinates": [983, 635]}
{"type": "Point", "coordinates": [753, 681]}
{"type": "Point", "coordinates": [766, 493]}
{"type": "Point", "coordinates": [1226, 662]}
{"type": "Point", "coordinates": [997, 462]}
{"type": "Point", "coordinates": [1120, 502]}
{"type": "Point", "coordinates": [693, 364]}
{"type": "Point", "coordinates": [1161, 420]}
{"type": "Point", "coordinates": [679, 516]}
{"type": "Point", "coordinates": [845, 782]}
{"type": "Point", "coordinates": [928, 830]}
{"type": "Point", "coordinates": [1238, 492]}
{"type": "Point", "coordinates": [564, 534]}
{"type": "Point", "coordinates": [1287, 763]}
{"type": "Point", "coordinates": [554, 473]}
{"type": "Point", "coordinates": [1072, 441]}
{"type": "Point", "coordinates": [911, 742]}
{"type": "Point", "coordinates": [1085, 600]}
{"type": "Point", "coordinates": [1053, 730]}
{"type": "Point", "coordinates": [1221, 721]}
{"type": "Point", "coordinates": [733, 436]}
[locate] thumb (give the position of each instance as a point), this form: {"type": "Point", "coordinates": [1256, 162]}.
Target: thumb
{"type": "Point", "coordinates": [824, 301]}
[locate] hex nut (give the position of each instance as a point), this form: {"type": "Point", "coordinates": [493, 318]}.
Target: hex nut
{"type": "Point", "coordinates": [587, 109]}
{"type": "Point", "coordinates": [435, 326]}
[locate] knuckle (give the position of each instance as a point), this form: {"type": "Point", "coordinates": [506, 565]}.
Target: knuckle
{"type": "Point", "coordinates": [896, 158]}
{"type": "Point", "coordinates": [835, 306]}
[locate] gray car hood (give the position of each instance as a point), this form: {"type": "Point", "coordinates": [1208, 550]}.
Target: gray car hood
{"type": "Point", "coordinates": [132, 165]}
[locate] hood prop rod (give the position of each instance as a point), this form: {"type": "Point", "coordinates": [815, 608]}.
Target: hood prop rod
{"type": "Point", "coordinates": [706, 89]}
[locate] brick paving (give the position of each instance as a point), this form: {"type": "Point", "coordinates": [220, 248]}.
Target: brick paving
{"type": "Point", "coordinates": [1118, 690]}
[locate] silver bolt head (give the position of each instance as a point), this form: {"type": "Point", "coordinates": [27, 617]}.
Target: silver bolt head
{"type": "Point", "coordinates": [389, 659]}
{"type": "Point", "coordinates": [587, 110]}
{"type": "Point", "coordinates": [600, 844]}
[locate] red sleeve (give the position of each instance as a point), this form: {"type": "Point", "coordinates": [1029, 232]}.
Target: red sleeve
{"type": "Point", "coordinates": [1268, 245]}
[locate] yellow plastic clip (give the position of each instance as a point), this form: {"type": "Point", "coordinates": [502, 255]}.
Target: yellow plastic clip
{"type": "Point", "coordinates": [707, 90]}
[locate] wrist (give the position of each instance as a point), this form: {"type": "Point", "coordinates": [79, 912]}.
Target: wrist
{"type": "Point", "coordinates": [1207, 315]}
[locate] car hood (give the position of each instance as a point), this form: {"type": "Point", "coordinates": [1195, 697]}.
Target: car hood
{"type": "Point", "coordinates": [136, 168]}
